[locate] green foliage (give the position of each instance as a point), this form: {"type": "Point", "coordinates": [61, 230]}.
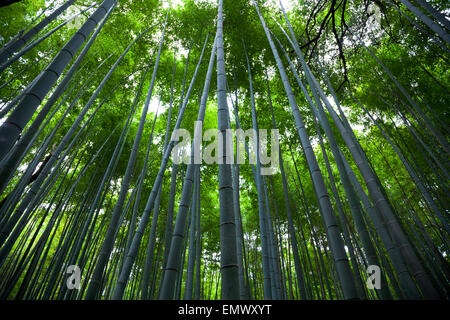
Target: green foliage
{"type": "Point", "coordinates": [418, 63]}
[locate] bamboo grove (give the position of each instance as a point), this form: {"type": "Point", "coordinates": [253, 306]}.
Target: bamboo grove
{"type": "Point", "coordinates": [93, 94]}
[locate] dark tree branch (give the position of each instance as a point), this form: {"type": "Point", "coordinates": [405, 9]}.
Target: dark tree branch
{"type": "Point", "coordinates": [4, 3]}
{"type": "Point", "coordinates": [33, 177]}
